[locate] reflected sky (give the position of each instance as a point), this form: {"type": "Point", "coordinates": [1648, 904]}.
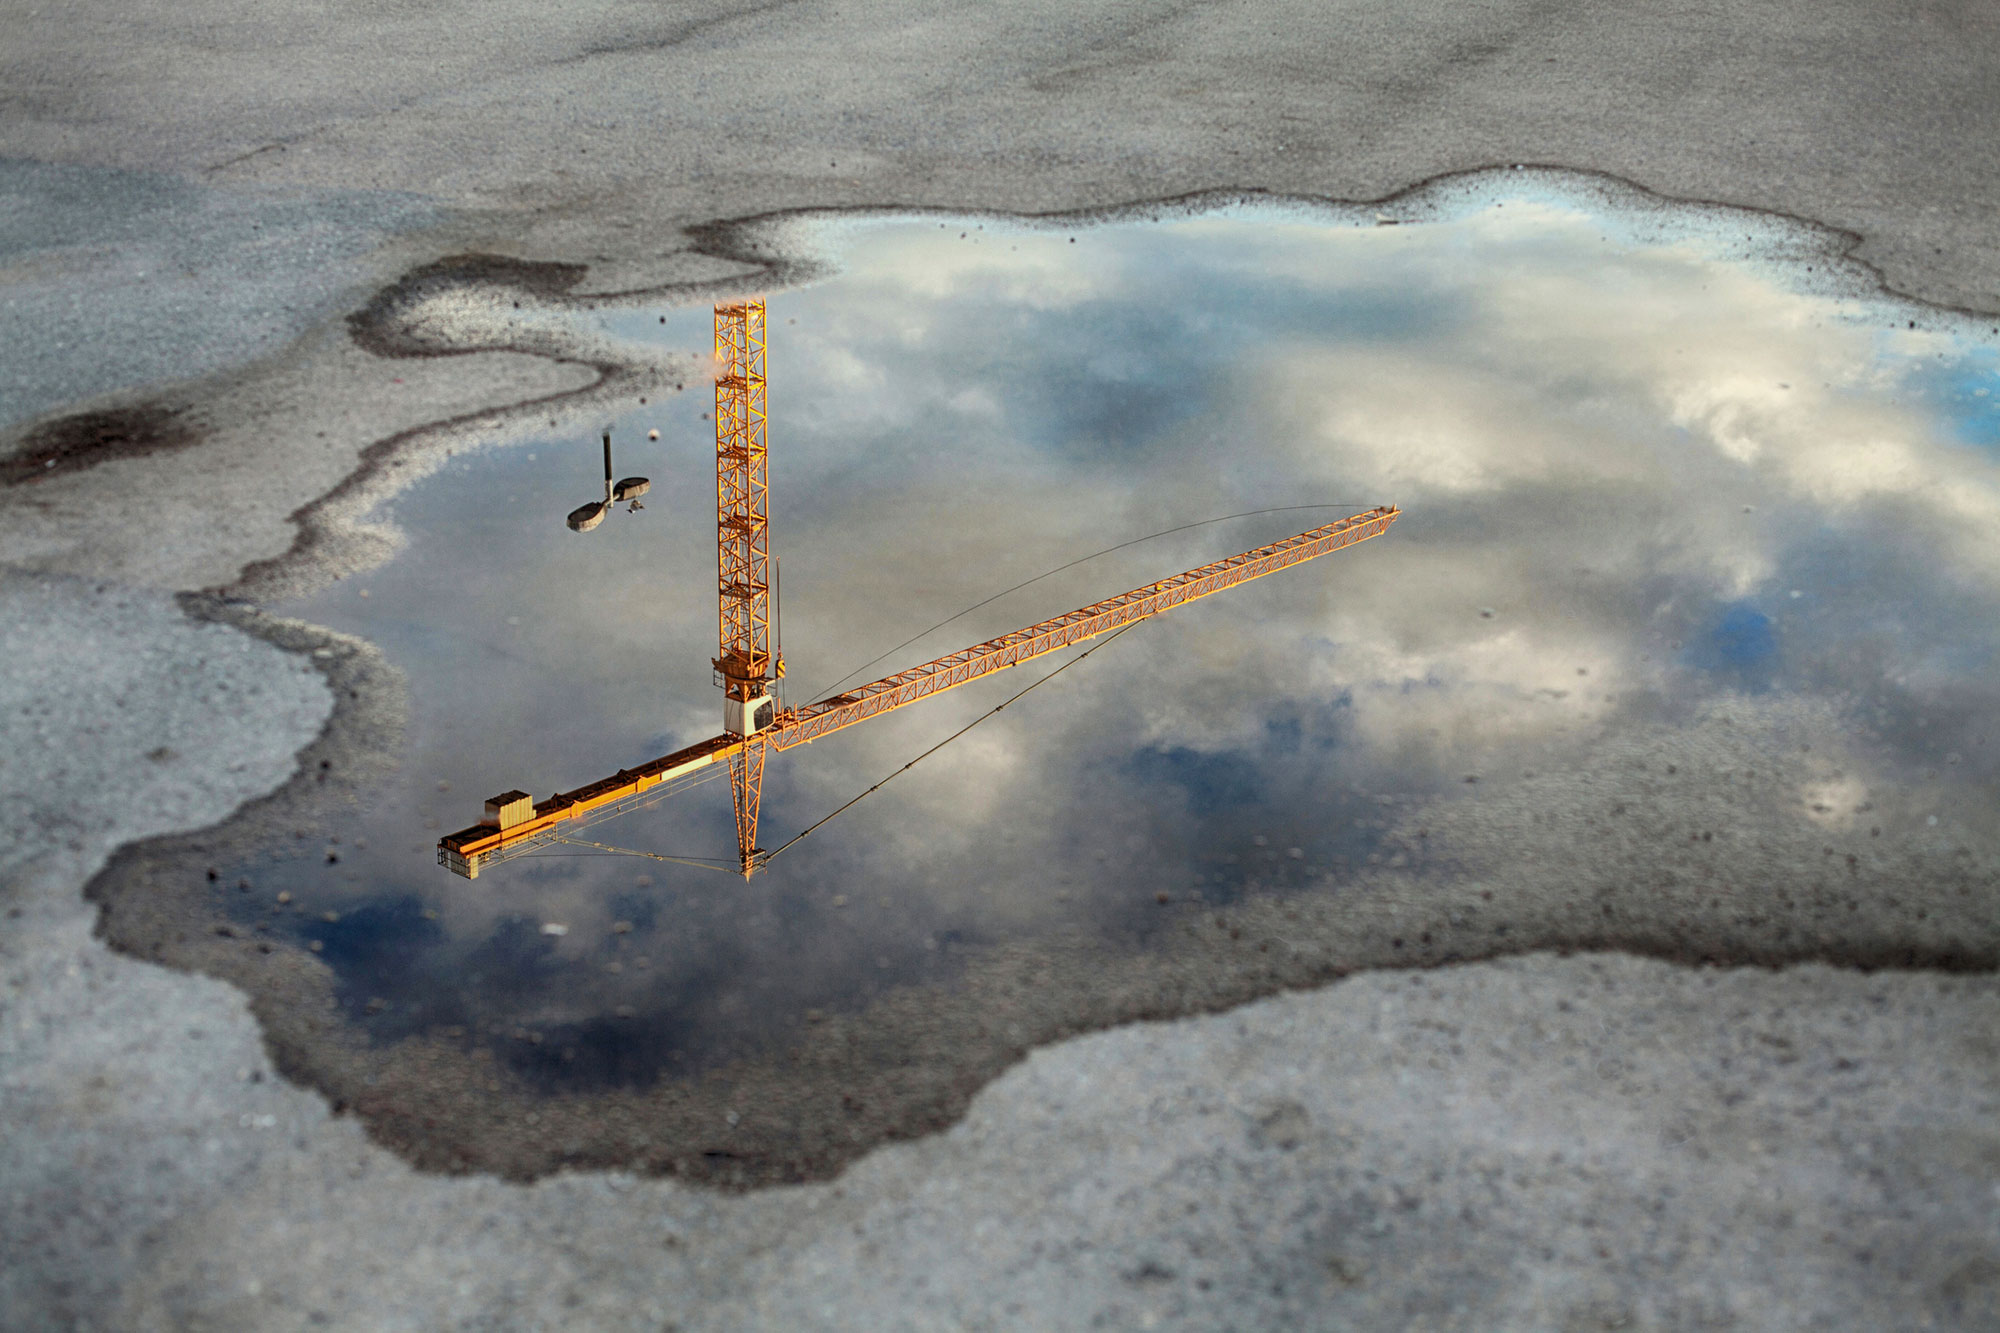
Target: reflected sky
{"type": "Point", "coordinates": [1639, 472]}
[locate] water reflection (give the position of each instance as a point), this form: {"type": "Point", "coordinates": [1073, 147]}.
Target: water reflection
{"type": "Point", "coordinates": [588, 516]}
{"type": "Point", "coordinates": [1638, 475]}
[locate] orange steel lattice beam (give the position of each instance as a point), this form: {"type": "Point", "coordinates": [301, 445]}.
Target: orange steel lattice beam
{"type": "Point", "coordinates": [749, 661]}
{"type": "Point", "coordinates": [797, 726]}
{"type": "Point", "coordinates": [742, 504]}
{"type": "Point", "coordinates": [465, 852]}
{"type": "Point", "coordinates": [746, 794]}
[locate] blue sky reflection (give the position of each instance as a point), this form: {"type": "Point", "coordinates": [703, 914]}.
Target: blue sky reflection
{"type": "Point", "coordinates": [1638, 473]}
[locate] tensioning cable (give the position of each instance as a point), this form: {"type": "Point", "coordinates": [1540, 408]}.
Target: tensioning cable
{"type": "Point", "coordinates": [699, 862]}
{"type": "Point", "coordinates": [949, 739]}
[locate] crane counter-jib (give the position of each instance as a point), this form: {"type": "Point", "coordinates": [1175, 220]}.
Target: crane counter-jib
{"type": "Point", "coordinates": [504, 830]}
{"type": "Point", "coordinates": [512, 825]}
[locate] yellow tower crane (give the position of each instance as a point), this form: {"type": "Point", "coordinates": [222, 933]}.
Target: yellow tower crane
{"type": "Point", "coordinates": [750, 662]}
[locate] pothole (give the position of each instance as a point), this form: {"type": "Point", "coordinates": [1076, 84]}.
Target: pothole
{"type": "Point", "coordinates": [1682, 645]}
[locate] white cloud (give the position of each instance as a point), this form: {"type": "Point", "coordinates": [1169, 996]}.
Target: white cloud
{"type": "Point", "coordinates": [1591, 442]}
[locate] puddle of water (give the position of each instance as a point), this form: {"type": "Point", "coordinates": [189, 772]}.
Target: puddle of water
{"type": "Point", "coordinates": [1637, 472]}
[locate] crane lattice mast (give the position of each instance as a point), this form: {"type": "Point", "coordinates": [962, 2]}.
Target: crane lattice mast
{"type": "Point", "coordinates": [750, 661]}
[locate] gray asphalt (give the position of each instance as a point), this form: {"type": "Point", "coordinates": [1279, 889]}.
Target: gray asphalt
{"type": "Point", "coordinates": [193, 198]}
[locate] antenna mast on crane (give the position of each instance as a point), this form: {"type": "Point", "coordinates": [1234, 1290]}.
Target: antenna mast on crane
{"type": "Point", "coordinates": [750, 662]}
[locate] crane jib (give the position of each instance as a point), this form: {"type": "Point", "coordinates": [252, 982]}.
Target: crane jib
{"type": "Point", "coordinates": [801, 725]}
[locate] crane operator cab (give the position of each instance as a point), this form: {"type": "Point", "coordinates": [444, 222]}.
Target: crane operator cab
{"type": "Point", "coordinates": [747, 717]}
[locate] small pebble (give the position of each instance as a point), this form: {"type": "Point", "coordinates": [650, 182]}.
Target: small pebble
{"type": "Point", "coordinates": [556, 928]}
{"type": "Point", "coordinates": [315, 946]}
{"type": "Point", "coordinates": [652, 435]}
{"type": "Point", "coordinates": [284, 897]}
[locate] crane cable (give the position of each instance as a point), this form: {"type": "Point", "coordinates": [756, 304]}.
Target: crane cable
{"type": "Point", "coordinates": [954, 736]}
{"type": "Point", "coordinates": [665, 790]}
{"type": "Point", "coordinates": [699, 862]}
{"type": "Point", "coordinates": [1165, 532]}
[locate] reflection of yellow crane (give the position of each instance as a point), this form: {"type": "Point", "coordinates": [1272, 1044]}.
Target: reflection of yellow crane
{"type": "Point", "coordinates": [750, 662]}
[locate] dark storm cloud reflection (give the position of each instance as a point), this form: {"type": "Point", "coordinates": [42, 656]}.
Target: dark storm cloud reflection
{"type": "Point", "coordinates": [1638, 474]}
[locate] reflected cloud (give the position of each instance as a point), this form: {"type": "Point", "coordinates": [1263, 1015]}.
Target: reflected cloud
{"type": "Point", "coordinates": [1640, 476]}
